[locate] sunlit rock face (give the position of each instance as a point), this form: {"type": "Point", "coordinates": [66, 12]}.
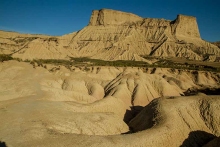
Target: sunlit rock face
{"type": "Point", "coordinates": [115, 35]}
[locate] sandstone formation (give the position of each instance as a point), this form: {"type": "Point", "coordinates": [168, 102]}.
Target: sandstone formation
{"type": "Point", "coordinates": [112, 17]}
{"type": "Point", "coordinates": [74, 107]}
{"type": "Point", "coordinates": [115, 35]}
{"type": "Point", "coordinates": [217, 43]}
{"type": "Point", "coordinates": [45, 104]}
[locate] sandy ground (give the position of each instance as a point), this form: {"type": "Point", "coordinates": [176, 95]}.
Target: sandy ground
{"type": "Point", "coordinates": [106, 106]}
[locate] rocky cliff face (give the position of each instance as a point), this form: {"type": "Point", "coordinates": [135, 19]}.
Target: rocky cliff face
{"type": "Point", "coordinates": [111, 17]}
{"type": "Point", "coordinates": [185, 26]}
{"type": "Point", "coordinates": [115, 35]}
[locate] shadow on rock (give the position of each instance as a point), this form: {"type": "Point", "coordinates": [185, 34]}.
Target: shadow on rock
{"type": "Point", "coordinates": [130, 114]}
{"type": "Point", "coordinates": [2, 144]}
{"type": "Point", "coordinates": [214, 143]}
{"type": "Point", "coordinates": [198, 139]}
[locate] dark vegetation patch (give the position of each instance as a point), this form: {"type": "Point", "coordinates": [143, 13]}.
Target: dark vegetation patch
{"type": "Point", "coordinates": [85, 61]}
{"type": "Point", "coordinates": [4, 57]}
{"type": "Point", "coordinates": [51, 61]}
{"type": "Point", "coordinates": [170, 64]}
{"type": "Point", "coordinates": [177, 63]}
{"type": "Point", "coordinates": [118, 63]}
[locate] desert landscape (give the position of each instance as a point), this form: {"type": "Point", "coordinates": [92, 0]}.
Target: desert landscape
{"type": "Point", "coordinates": [122, 80]}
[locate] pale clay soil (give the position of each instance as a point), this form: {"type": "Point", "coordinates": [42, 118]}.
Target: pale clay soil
{"type": "Point", "coordinates": [106, 106]}
{"type": "Point", "coordinates": [110, 106]}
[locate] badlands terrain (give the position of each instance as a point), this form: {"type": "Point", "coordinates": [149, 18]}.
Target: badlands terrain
{"type": "Point", "coordinates": [121, 81]}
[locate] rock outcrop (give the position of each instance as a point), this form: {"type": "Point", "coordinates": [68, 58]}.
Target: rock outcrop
{"type": "Point", "coordinates": [185, 26]}
{"type": "Point", "coordinates": [115, 35]}
{"type": "Point", "coordinates": [112, 17]}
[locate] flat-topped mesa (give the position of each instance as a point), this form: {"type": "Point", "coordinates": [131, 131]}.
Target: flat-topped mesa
{"type": "Point", "coordinates": [182, 27]}
{"type": "Point", "coordinates": [114, 35]}
{"type": "Point", "coordinates": [112, 17]}
{"type": "Point", "coordinates": [185, 26]}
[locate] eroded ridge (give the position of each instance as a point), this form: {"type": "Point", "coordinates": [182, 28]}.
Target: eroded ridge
{"type": "Point", "coordinates": [106, 106]}
{"type": "Point", "coordinates": [116, 35]}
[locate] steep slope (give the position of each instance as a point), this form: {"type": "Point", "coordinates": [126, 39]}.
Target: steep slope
{"type": "Point", "coordinates": [26, 46]}
{"type": "Point", "coordinates": [115, 35]}
{"type": "Point", "coordinates": [217, 43]}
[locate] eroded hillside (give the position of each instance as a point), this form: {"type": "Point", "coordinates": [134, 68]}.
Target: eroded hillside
{"type": "Point", "coordinates": [121, 81]}
{"type": "Point", "coordinates": [115, 35]}
{"type": "Point", "coordinates": [59, 106]}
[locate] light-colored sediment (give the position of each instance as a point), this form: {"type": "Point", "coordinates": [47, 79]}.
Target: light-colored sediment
{"type": "Point", "coordinates": [116, 35]}
{"type": "Point", "coordinates": [90, 108]}
{"type": "Point", "coordinates": [110, 106]}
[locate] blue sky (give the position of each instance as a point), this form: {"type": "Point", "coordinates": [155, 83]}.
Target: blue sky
{"type": "Point", "coordinates": [58, 17]}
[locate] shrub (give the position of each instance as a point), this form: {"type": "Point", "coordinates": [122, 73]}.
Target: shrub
{"type": "Point", "coordinates": [26, 60]}
{"type": "Point", "coordinates": [98, 62]}
{"type": "Point", "coordinates": [5, 57]}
